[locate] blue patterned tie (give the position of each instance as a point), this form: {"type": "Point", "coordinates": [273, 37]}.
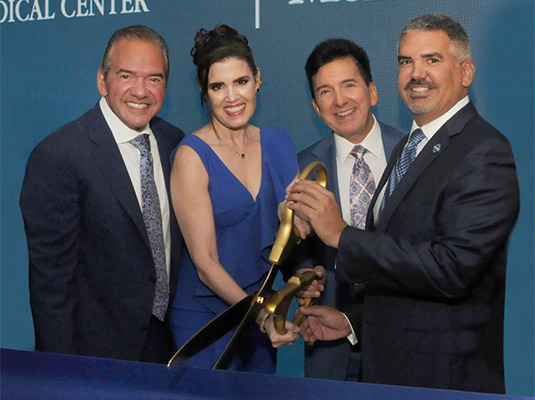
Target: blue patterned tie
{"type": "Point", "coordinates": [152, 217]}
{"type": "Point", "coordinates": [361, 188]}
{"type": "Point", "coordinates": [402, 165]}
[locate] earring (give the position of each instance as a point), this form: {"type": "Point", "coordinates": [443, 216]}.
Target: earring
{"type": "Point", "coordinates": [259, 83]}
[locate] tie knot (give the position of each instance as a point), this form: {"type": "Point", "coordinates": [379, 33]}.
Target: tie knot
{"type": "Point", "coordinates": [358, 152]}
{"type": "Point", "coordinates": [416, 137]}
{"type": "Point", "coordinates": [142, 142]}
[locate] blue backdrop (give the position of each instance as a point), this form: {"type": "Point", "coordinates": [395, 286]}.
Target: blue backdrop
{"type": "Point", "coordinates": [51, 49]}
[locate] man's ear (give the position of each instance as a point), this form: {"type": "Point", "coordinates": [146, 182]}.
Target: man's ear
{"type": "Point", "coordinates": [469, 72]}
{"type": "Point", "coordinates": [315, 105]}
{"type": "Point", "coordinates": [374, 95]}
{"type": "Point", "coordinates": [101, 83]}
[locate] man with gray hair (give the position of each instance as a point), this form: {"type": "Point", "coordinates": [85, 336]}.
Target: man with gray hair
{"type": "Point", "coordinates": [432, 261]}
{"type": "Point", "coordinates": [96, 208]}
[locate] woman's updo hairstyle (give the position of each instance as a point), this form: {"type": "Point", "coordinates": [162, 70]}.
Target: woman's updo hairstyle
{"type": "Point", "coordinates": [212, 46]}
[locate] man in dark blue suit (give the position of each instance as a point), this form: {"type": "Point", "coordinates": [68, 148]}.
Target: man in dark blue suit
{"type": "Point", "coordinates": [94, 265]}
{"type": "Point", "coordinates": [343, 94]}
{"type": "Point", "coordinates": [432, 262]}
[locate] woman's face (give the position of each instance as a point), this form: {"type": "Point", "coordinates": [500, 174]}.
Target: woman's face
{"type": "Point", "coordinates": [231, 92]}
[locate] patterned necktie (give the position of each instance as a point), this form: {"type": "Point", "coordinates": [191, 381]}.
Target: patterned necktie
{"type": "Point", "coordinates": [361, 188]}
{"type": "Point", "coordinates": [402, 165]}
{"type": "Point", "coordinates": [152, 217]}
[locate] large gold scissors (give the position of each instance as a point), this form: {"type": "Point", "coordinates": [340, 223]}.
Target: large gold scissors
{"type": "Point", "coordinates": [244, 312]}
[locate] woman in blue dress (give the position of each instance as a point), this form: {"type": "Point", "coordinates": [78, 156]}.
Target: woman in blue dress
{"type": "Point", "coordinates": [226, 183]}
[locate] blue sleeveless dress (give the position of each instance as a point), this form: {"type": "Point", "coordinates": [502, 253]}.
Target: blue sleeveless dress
{"type": "Point", "coordinates": [245, 231]}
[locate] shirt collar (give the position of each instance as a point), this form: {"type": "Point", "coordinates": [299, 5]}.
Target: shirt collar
{"type": "Point", "coordinates": [120, 131]}
{"type": "Point", "coordinates": [372, 143]}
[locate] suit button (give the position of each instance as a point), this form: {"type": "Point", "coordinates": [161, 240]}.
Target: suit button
{"type": "Point", "coordinates": [358, 287]}
{"type": "Point", "coordinates": [152, 279]}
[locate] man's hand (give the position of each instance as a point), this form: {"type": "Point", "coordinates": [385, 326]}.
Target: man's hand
{"type": "Point", "coordinates": [316, 288]}
{"type": "Point", "coordinates": [323, 323]}
{"type": "Point", "coordinates": [315, 205]}
{"type": "Point", "coordinates": [302, 226]}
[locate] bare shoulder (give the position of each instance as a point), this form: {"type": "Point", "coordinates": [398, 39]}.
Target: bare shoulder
{"type": "Point", "coordinates": [187, 163]}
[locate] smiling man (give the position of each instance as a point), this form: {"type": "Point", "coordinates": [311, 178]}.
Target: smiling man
{"type": "Point", "coordinates": [431, 263]}
{"type": "Point", "coordinates": [355, 154]}
{"type": "Point", "coordinates": [97, 215]}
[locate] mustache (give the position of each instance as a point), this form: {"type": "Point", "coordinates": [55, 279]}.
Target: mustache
{"type": "Point", "coordinates": [420, 82]}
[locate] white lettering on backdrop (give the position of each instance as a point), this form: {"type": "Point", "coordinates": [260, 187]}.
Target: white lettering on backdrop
{"type": "Point", "coordinates": [39, 10]}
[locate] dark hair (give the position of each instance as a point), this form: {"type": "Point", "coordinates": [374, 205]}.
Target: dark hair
{"type": "Point", "coordinates": [334, 49]}
{"type": "Point", "coordinates": [439, 22]}
{"type": "Point", "coordinates": [135, 32]}
{"type": "Point", "coordinates": [212, 46]}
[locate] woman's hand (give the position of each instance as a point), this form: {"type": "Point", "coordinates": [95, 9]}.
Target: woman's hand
{"type": "Point", "coordinates": [278, 340]}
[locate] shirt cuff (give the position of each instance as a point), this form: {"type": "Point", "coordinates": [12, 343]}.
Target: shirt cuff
{"type": "Point", "coordinates": [352, 337]}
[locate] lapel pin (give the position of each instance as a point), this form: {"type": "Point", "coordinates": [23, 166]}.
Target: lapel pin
{"type": "Point", "coordinates": [436, 148]}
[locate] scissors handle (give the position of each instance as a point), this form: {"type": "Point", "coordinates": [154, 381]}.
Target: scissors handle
{"type": "Point", "coordinates": [279, 303]}
{"type": "Point", "coordinates": [288, 236]}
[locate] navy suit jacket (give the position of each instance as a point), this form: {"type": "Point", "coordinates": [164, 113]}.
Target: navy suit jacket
{"type": "Point", "coordinates": [433, 267]}
{"type": "Point", "coordinates": [330, 360]}
{"type": "Point", "coordinates": [92, 276]}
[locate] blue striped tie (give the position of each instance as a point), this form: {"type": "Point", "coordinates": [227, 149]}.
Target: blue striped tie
{"type": "Point", "coordinates": [152, 217]}
{"type": "Point", "coordinates": [402, 165]}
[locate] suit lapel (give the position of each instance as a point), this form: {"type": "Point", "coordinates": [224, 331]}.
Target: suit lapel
{"type": "Point", "coordinates": [390, 138]}
{"type": "Point", "coordinates": [325, 152]}
{"type": "Point", "coordinates": [109, 161]}
{"type": "Point", "coordinates": [164, 149]}
{"type": "Point", "coordinates": [433, 149]}
{"type": "Point", "coordinates": [393, 147]}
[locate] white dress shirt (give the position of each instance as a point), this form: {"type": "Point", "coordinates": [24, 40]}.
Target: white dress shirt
{"type": "Point", "coordinates": [131, 157]}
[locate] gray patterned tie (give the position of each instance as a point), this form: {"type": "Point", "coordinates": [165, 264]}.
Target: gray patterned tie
{"type": "Point", "coordinates": [361, 188]}
{"type": "Point", "coordinates": [402, 165]}
{"type": "Point", "coordinates": [152, 217]}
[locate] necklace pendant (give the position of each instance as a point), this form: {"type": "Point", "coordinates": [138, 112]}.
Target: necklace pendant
{"type": "Point", "coordinates": [242, 155]}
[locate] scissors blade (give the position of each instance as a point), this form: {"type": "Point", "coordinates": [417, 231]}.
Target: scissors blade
{"type": "Point", "coordinates": [212, 331]}
{"type": "Point", "coordinates": [259, 300]}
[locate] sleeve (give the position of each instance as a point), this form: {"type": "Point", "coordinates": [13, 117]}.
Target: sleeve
{"type": "Point", "coordinates": [50, 205]}
{"type": "Point", "coordinates": [475, 215]}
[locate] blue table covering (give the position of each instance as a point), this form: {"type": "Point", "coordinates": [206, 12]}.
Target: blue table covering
{"type": "Point", "coordinates": [35, 375]}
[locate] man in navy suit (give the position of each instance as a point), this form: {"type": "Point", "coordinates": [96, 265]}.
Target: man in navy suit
{"type": "Point", "coordinates": [343, 94]}
{"type": "Point", "coordinates": [92, 271]}
{"type": "Point", "coordinates": [431, 263]}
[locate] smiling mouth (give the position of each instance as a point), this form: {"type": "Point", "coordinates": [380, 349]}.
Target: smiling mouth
{"type": "Point", "coordinates": [345, 113]}
{"type": "Point", "coordinates": [137, 106]}
{"type": "Point", "coordinates": [234, 109]}
{"type": "Point", "coordinates": [420, 86]}
{"type": "Point", "coordinates": [420, 89]}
